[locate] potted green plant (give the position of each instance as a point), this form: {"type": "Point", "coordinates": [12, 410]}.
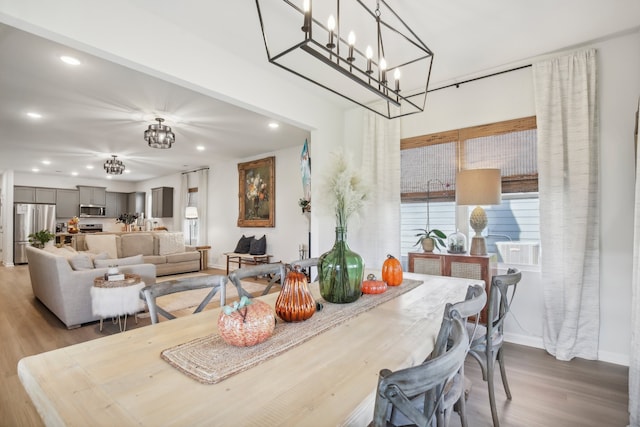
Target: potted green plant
{"type": "Point", "coordinates": [430, 239]}
{"type": "Point", "coordinates": [40, 238]}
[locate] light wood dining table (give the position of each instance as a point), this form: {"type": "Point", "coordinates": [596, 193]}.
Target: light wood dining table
{"type": "Point", "coordinates": [329, 380]}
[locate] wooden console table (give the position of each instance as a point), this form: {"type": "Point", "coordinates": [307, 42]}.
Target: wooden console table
{"type": "Point", "coordinates": [248, 259]}
{"type": "Point", "coordinates": [479, 267]}
{"type": "Point", "coordinates": [204, 256]}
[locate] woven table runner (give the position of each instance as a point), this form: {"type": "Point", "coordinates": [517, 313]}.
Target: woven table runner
{"type": "Point", "coordinates": [210, 360]}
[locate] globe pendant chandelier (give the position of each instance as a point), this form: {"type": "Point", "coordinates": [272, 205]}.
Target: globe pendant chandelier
{"type": "Point", "coordinates": [358, 49]}
{"type": "Point", "coordinates": [159, 135]}
{"type": "Point", "coordinates": [114, 166]}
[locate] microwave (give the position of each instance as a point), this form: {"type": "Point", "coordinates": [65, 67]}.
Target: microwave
{"type": "Point", "coordinates": [92, 211]}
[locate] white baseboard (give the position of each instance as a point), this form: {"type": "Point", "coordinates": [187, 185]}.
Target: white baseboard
{"type": "Point", "coordinates": [536, 342]}
{"type": "Point", "coordinates": [527, 340]}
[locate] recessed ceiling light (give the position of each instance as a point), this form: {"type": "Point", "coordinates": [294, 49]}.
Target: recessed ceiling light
{"type": "Point", "coordinates": [74, 173]}
{"type": "Point", "coordinates": [35, 170]}
{"type": "Point", "coordinates": [69, 60]}
{"type": "Point", "coordinates": [46, 162]}
{"type": "Point", "coordinates": [34, 115]}
{"type": "Point", "coordinates": [200, 148]}
{"type": "Point", "coordinates": [127, 171]}
{"type": "Point", "coordinates": [89, 166]}
{"type": "Point", "coordinates": [274, 125]}
{"type": "Point", "coordinates": [109, 177]}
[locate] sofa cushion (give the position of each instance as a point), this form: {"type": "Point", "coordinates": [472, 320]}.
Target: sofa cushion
{"type": "Point", "coordinates": [184, 256]}
{"type": "Point", "coordinates": [132, 260]}
{"type": "Point", "coordinates": [81, 262]}
{"type": "Point", "coordinates": [66, 251]}
{"type": "Point", "coordinates": [136, 244]}
{"type": "Point", "coordinates": [258, 246]}
{"type": "Point", "coordinates": [170, 243]}
{"type": "Point", "coordinates": [97, 243]}
{"type": "Point", "coordinates": [155, 259]}
{"type": "Point", "coordinates": [244, 244]}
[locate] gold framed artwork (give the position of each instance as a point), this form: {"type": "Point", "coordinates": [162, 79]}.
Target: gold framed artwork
{"type": "Point", "coordinates": [257, 193]}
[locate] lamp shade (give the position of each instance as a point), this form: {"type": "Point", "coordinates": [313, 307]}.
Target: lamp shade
{"type": "Point", "coordinates": [191, 212]}
{"type": "Point", "coordinates": [478, 187]}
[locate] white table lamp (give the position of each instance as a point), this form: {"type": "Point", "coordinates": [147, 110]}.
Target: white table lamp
{"type": "Point", "coordinates": [478, 187]}
{"type": "Point", "coordinates": [191, 213]}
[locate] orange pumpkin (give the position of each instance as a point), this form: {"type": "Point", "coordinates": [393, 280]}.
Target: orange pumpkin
{"type": "Point", "coordinates": [247, 326]}
{"type": "Point", "coordinates": [373, 286]}
{"type": "Point", "coordinates": [392, 271]}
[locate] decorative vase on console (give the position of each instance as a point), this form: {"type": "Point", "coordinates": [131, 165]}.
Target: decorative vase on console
{"type": "Point", "coordinates": [340, 270]}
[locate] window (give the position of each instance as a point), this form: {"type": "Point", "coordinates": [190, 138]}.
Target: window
{"type": "Point", "coordinates": [429, 164]}
{"type": "Point", "coordinates": [191, 237]}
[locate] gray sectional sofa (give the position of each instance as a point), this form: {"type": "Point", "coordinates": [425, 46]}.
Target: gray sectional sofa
{"type": "Point", "coordinates": [163, 249]}
{"type": "Point", "coordinates": [65, 291]}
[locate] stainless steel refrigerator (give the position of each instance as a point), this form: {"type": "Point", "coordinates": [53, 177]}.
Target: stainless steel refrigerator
{"type": "Point", "coordinates": [30, 218]}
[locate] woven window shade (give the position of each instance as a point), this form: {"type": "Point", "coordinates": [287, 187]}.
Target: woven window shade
{"type": "Point", "coordinates": [510, 146]}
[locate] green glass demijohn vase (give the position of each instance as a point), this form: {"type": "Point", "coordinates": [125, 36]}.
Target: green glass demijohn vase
{"type": "Point", "coordinates": [340, 271]}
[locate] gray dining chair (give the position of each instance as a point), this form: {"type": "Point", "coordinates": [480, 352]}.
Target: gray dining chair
{"type": "Point", "coordinates": [486, 346]}
{"type": "Point", "coordinates": [453, 391]}
{"type": "Point", "coordinates": [396, 389]}
{"type": "Point", "coordinates": [305, 266]}
{"type": "Point", "coordinates": [217, 283]}
{"type": "Point", "coordinates": [274, 272]}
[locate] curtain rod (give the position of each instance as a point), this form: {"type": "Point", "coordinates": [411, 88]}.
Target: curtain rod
{"type": "Point", "coordinates": [481, 77]}
{"type": "Point", "coordinates": [195, 170]}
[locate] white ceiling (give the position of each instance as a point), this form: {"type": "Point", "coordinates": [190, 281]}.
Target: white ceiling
{"type": "Point", "coordinates": [99, 108]}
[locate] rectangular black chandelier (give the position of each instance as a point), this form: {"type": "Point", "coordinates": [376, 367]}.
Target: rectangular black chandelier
{"type": "Point", "coordinates": [358, 49]}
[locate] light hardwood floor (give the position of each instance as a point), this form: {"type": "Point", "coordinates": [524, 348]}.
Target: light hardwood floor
{"type": "Point", "coordinates": [545, 392]}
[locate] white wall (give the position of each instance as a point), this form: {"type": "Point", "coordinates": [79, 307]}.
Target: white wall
{"type": "Point", "coordinates": [511, 96]}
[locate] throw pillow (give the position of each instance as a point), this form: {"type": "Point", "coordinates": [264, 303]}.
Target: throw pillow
{"type": "Point", "coordinates": [97, 243]}
{"type": "Point", "coordinates": [258, 246]}
{"type": "Point", "coordinates": [66, 251]}
{"type": "Point", "coordinates": [81, 262]}
{"type": "Point", "coordinates": [244, 244]}
{"type": "Point", "coordinates": [132, 260]}
{"type": "Point", "coordinates": [170, 243]}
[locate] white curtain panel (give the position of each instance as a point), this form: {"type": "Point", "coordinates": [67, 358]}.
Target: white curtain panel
{"type": "Point", "coordinates": [634, 363]}
{"type": "Point", "coordinates": [379, 233]}
{"type": "Point", "coordinates": [203, 203]}
{"type": "Point", "coordinates": [184, 191]}
{"type": "Point", "coordinates": [568, 141]}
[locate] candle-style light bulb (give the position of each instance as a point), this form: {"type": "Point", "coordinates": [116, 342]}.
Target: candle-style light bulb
{"type": "Point", "coordinates": [383, 71]}
{"type": "Point", "coordinates": [396, 77]}
{"type": "Point", "coordinates": [306, 8]}
{"type": "Point", "coordinates": [369, 55]}
{"type": "Point", "coordinates": [331, 25]}
{"type": "Point", "coordinates": [351, 39]}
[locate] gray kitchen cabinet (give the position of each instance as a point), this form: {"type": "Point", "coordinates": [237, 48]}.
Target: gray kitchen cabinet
{"type": "Point", "coordinates": [23, 194]}
{"type": "Point", "coordinates": [162, 202]}
{"type": "Point", "coordinates": [136, 202]}
{"type": "Point", "coordinates": [46, 195]}
{"type": "Point", "coordinates": [116, 204]}
{"type": "Point", "coordinates": [67, 203]}
{"type": "Point", "coordinates": [92, 195]}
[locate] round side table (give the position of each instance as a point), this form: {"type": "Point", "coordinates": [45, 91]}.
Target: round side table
{"type": "Point", "coordinates": [116, 298]}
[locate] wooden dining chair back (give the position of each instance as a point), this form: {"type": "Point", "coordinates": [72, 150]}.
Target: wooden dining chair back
{"type": "Point", "coordinates": [398, 390]}
{"type": "Point", "coordinates": [486, 346]}
{"type": "Point", "coordinates": [217, 283]}
{"type": "Point", "coordinates": [274, 272]}
{"type": "Point", "coordinates": [305, 266]}
{"type": "Point", "coordinates": [454, 393]}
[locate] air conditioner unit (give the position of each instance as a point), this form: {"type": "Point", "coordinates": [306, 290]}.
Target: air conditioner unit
{"type": "Point", "coordinates": [519, 252]}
